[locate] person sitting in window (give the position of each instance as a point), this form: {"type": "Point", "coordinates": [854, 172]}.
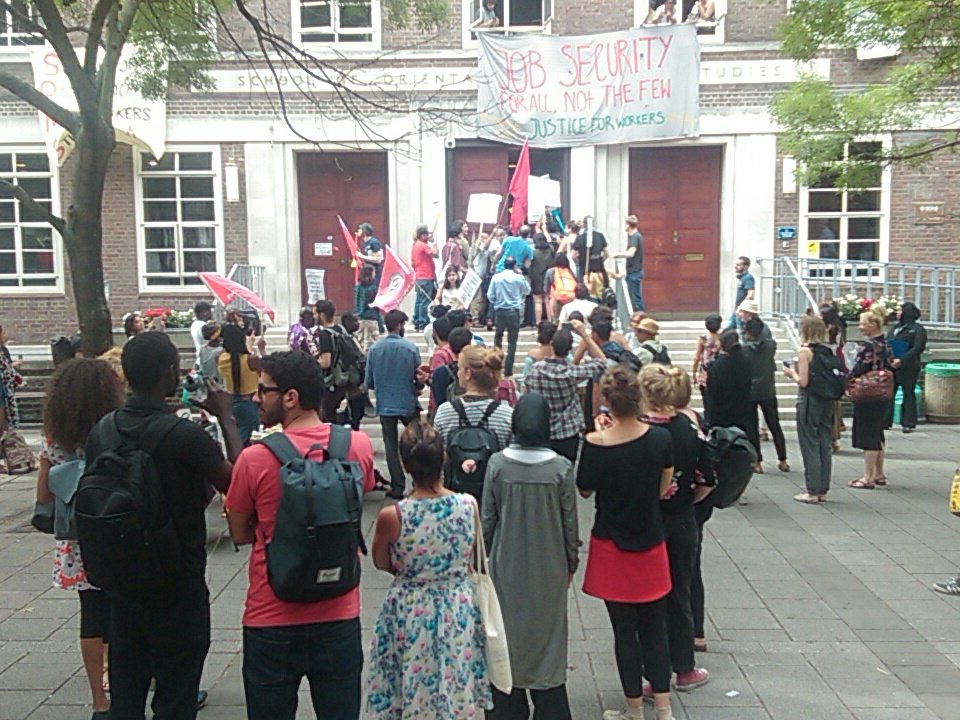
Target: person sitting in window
{"type": "Point", "coordinates": [488, 15]}
{"type": "Point", "coordinates": [666, 14]}
{"type": "Point", "coordinates": [702, 11]}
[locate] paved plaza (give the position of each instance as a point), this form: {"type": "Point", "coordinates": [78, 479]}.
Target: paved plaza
{"type": "Point", "coordinates": [814, 611]}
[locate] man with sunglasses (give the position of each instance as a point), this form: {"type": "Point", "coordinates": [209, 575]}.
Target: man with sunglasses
{"type": "Point", "coordinates": [285, 641]}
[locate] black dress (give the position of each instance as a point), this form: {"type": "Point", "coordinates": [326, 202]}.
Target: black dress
{"type": "Point", "coordinates": [727, 394]}
{"type": "Point", "coordinates": [869, 419]}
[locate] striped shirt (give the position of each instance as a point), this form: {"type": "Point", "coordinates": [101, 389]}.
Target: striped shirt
{"type": "Point", "coordinates": [501, 421]}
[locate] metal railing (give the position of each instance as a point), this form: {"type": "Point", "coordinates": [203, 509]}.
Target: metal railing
{"type": "Point", "coordinates": [251, 277]}
{"type": "Point", "coordinates": [791, 285]}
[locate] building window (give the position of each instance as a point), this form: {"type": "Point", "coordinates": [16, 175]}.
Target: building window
{"type": "Point", "coordinates": [707, 15]}
{"type": "Point", "coordinates": [846, 225]}
{"type": "Point", "coordinates": [17, 23]}
{"type": "Point", "coordinates": [506, 16]}
{"type": "Point", "coordinates": [29, 248]}
{"type": "Point", "coordinates": [337, 22]}
{"type": "Point", "coordinates": [179, 217]}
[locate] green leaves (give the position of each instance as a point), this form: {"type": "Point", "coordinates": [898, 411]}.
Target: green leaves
{"type": "Point", "coordinates": [427, 14]}
{"type": "Point", "coordinates": [818, 119]}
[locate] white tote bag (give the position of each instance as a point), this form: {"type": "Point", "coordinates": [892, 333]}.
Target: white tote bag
{"type": "Point", "coordinates": [498, 654]}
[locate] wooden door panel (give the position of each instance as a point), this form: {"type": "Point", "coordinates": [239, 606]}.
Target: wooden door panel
{"type": "Point", "coordinates": [353, 185]}
{"type": "Point", "coordinates": [478, 170]}
{"type": "Point", "coordinates": [675, 193]}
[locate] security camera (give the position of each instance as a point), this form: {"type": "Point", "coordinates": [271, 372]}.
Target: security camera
{"type": "Point", "coordinates": [449, 143]}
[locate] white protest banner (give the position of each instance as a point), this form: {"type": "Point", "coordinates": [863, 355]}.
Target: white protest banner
{"type": "Point", "coordinates": [315, 290]}
{"type": "Point", "coordinates": [136, 120]}
{"type": "Point", "coordinates": [556, 91]}
{"type": "Point", "coordinates": [469, 286]}
{"type": "Point", "coordinates": [483, 208]}
{"type": "Point", "coordinates": [542, 192]}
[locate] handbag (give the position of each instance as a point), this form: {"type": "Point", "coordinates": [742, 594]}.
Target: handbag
{"type": "Point", "coordinates": [20, 458]}
{"type": "Point", "coordinates": [874, 385]}
{"type": "Point", "coordinates": [496, 650]}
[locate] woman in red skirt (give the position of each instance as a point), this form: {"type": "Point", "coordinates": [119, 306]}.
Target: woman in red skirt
{"type": "Point", "coordinates": [629, 464]}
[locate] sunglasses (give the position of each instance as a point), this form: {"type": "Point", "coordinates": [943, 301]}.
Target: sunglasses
{"type": "Point", "coordinates": [264, 389]}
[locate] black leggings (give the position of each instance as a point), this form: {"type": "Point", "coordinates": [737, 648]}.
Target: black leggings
{"type": "Point", "coordinates": [94, 614]}
{"type": "Point", "coordinates": [551, 704]}
{"type": "Point", "coordinates": [640, 645]}
{"type": "Point", "coordinates": [702, 511]}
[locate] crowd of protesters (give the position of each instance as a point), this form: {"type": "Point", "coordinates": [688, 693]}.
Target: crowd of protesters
{"type": "Point", "coordinates": [472, 458]}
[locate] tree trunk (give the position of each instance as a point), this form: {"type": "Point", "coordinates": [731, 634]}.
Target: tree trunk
{"type": "Point", "coordinates": [83, 237]}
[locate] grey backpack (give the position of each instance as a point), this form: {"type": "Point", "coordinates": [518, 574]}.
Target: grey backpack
{"type": "Point", "coordinates": [313, 554]}
{"type": "Point", "coordinates": [63, 481]}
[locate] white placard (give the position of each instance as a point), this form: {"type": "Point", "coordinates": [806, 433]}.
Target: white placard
{"type": "Point", "coordinates": [484, 208]}
{"type": "Point", "coordinates": [315, 289]}
{"type": "Point", "coordinates": [468, 288]}
{"type": "Point", "coordinates": [542, 192]}
{"type": "Point", "coordinates": [323, 249]}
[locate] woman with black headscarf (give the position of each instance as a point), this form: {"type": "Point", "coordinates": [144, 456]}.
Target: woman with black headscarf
{"type": "Point", "coordinates": [529, 523]}
{"type": "Point", "coordinates": [908, 340]}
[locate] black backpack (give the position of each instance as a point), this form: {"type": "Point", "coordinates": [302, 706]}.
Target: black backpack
{"type": "Point", "coordinates": [826, 376]}
{"type": "Point", "coordinates": [454, 389]}
{"type": "Point", "coordinates": [617, 353]}
{"type": "Point", "coordinates": [659, 356]}
{"type": "Point", "coordinates": [728, 457]}
{"type": "Point", "coordinates": [127, 537]}
{"type": "Point", "coordinates": [469, 449]}
{"type": "Point", "coordinates": [346, 361]}
{"type": "Point", "coordinates": [313, 552]}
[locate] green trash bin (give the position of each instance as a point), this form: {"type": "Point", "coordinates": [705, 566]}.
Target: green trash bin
{"type": "Point", "coordinates": [898, 403]}
{"type": "Point", "coordinates": [941, 393]}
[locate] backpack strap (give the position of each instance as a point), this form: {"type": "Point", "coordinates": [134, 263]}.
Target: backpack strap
{"type": "Point", "coordinates": [281, 447]}
{"type": "Point", "coordinates": [491, 409]}
{"type": "Point", "coordinates": [457, 404]}
{"type": "Point", "coordinates": [149, 437]}
{"type": "Point", "coordinates": [338, 446]}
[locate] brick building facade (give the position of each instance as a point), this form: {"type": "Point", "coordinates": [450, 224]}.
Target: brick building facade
{"type": "Point", "coordinates": [165, 219]}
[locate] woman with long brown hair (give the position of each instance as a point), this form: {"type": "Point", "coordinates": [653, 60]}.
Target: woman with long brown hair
{"type": "Point", "coordinates": [80, 392]}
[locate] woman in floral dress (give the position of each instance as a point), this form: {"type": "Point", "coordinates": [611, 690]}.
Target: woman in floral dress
{"type": "Point", "coordinates": [80, 392]}
{"type": "Point", "coordinates": [427, 660]}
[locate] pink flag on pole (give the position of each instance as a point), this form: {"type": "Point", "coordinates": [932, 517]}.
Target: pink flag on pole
{"type": "Point", "coordinates": [518, 188]}
{"type": "Point", "coordinates": [395, 283]}
{"type": "Point", "coordinates": [352, 246]}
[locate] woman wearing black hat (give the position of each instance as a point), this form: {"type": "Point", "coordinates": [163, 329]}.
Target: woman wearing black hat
{"type": "Point", "coordinates": [530, 524]}
{"type": "Point", "coordinates": [908, 340]}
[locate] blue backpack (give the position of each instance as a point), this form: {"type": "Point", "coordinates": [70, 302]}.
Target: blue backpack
{"type": "Point", "coordinates": [313, 554]}
{"type": "Point", "coordinates": [63, 482]}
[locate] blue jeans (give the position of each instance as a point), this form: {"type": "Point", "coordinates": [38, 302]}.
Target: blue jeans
{"type": "Point", "coordinates": [247, 414]}
{"type": "Point", "coordinates": [426, 291]}
{"type": "Point", "coordinates": [635, 288]}
{"type": "Point", "coordinates": [275, 659]}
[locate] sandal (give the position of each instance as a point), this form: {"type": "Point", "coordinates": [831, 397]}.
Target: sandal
{"type": "Point", "coordinates": [807, 498]}
{"type": "Point", "coordinates": [758, 468]}
{"type": "Point", "coordinates": [881, 481]}
{"type": "Point", "coordinates": [861, 484]}
{"type": "Point", "coordinates": [700, 644]}
{"type": "Point", "coordinates": [822, 498]}
{"type": "Point", "coordinates": [783, 466]}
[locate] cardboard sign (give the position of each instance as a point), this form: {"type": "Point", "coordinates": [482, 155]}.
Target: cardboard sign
{"type": "Point", "coordinates": [484, 208]}
{"type": "Point", "coordinates": [315, 290]}
{"type": "Point", "coordinates": [542, 192]}
{"type": "Point", "coordinates": [469, 287]}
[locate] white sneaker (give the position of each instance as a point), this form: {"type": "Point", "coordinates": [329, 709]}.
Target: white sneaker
{"type": "Point", "coordinates": [628, 713]}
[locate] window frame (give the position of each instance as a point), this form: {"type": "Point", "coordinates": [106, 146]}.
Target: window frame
{"type": "Point", "coordinates": [53, 173]}
{"type": "Point", "coordinates": [470, 41]}
{"type": "Point", "coordinates": [376, 30]}
{"type": "Point", "coordinates": [642, 7]}
{"type": "Point", "coordinates": [9, 37]}
{"type": "Point", "coordinates": [845, 215]}
{"type": "Point", "coordinates": [142, 224]}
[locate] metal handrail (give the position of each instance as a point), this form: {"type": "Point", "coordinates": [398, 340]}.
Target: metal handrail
{"type": "Point", "coordinates": [793, 285]}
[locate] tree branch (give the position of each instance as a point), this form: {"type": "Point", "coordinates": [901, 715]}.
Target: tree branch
{"type": "Point", "coordinates": [31, 95]}
{"type": "Point", "coordinates": [92, 47]}
{"type": "Point", "coordinates": [58, 223]}
{"type": "Point", "coordinates": [58, 37]}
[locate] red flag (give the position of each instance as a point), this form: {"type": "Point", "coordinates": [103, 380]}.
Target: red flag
{"type": "Point", "coordinates": [352, 246]}
{"type": "Point", "coordinates": [395, 283]}
{"type": "Point", "coordinates": [518, 188]}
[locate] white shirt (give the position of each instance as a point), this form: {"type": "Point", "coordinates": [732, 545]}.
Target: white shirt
{"type": "Point", "coordinates": [585, 307]}
{"type": "Point", "coordinates": [196, 332]}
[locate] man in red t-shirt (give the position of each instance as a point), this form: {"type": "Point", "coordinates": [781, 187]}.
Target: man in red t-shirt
{"type": "Point", "coordinates": [288, 640]}
{"type": "Point", "coordinates": [424, 268]}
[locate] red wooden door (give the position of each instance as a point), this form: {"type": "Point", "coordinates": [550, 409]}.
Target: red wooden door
{"type": "Point", "coordinates": [675, 193]}
{"type": "Point", "coordinates": [478, 170]}
{"type": "Point", "coordinates": [353, 185]}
